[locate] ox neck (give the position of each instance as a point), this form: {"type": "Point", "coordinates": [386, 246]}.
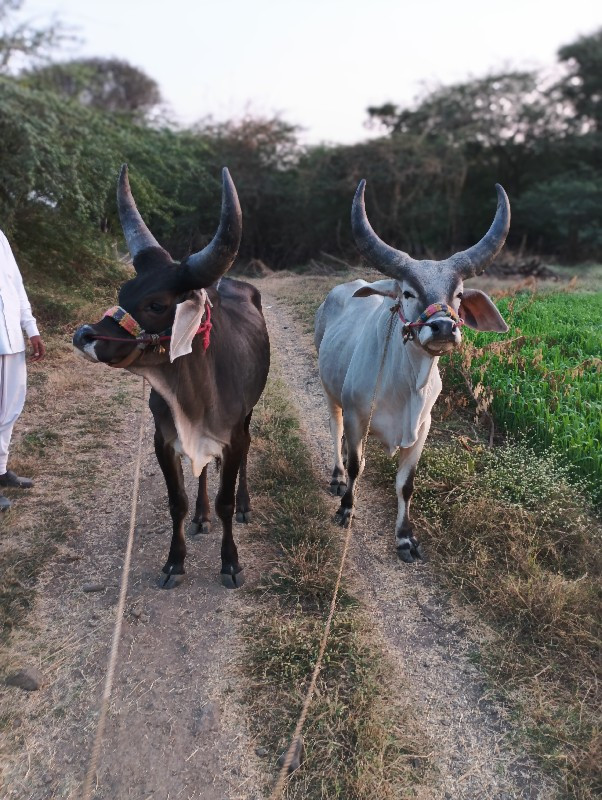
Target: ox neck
{"type": "Point", "coordinates": [421, 364]}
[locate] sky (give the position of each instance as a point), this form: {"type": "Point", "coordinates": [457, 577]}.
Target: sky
{"type": "Point", "coordinates": [317, 63]}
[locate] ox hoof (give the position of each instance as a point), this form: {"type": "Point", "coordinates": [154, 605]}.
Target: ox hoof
{"type": "Point", "coordinates": [404, 553]}
{"type": "Point", "coordinates": [169, 580]}
{"type": "Point", "coordinates": [417, 551]}
{"type": "Point", "coordinates": [232, 580]}
{"type": "Point", "coordinates": [338, 488]}
{"type": "Point", "coordinates": [343, 517]}
{"type": "Point", "coordinates": [409, 550]}
{"type": "Point", "coordinates": [244, 516]}
{"type": "Point", "coordinates": [197, 528]}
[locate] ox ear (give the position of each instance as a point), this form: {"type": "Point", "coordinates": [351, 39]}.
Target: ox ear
{"type": "Point", "coordinates": [478, 311]}
{"type": "Point", "coordinates": [383, 288]}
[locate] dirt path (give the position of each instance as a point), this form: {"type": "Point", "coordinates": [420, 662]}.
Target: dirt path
{"type": "Point", "coordinates": [429, 640]}
{"type": "Point", "coordinates": [175, 729]}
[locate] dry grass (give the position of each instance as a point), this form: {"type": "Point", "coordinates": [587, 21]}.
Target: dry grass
{"type": "Point", "coordinates": [56, 437]}
{"type": "Point", "coordinates": [54, 442]}
{"type": "Point", "coordinates": [304, 293]}
{"type": "Point", "coordinates": [508, 533]}
{"type": "Point", "coordinates": [359, 741]}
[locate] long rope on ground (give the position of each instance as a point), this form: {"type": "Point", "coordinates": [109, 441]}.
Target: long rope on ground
{"type": "Point", "coordinates": [106, 696]}
{"type": "Point", "coordinates": [283, 775]}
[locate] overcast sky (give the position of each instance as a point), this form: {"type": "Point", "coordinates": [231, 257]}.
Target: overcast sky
{"type": "Point", "coordinates": [319, 63]}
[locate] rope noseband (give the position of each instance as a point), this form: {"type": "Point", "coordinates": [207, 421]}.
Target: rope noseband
{"type": "Point", "coordinates": [145, 340]}
{"type": "Point", "coordinates": [434, 308]}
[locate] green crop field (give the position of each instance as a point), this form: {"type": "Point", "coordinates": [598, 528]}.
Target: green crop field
{"type": "Point", "coordinates": [543, 380]}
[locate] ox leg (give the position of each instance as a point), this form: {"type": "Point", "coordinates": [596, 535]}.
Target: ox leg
{"type": "Point", "coordinates": [355, 466]}
{"type": "Point", "coordinates": [231, 572]}
{"type": "Point", "coordinates": [243, 501]}
{"type": "Point", "coordinates": [408, 547]}
{"type": "Point", "coordinates": [171, 466]}
{"type": "Point", "coordinates": [201, 522]}
{"type": "Point", "coordinates": [338, 483]}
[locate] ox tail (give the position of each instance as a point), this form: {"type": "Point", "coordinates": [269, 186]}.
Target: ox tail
{"type": "Point", "coordinates": [320, 327]}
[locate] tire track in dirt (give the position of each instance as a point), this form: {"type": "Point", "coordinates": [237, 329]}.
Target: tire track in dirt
{"type": "Point", "coordinates": [175, 728]}
{"type": "Point", "coordinates": [429, 640]}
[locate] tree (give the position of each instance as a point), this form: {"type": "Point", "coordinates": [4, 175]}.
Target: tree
{"type": "Point", "coordinates": [105, 84]}
{"type": "Point", "coordinates": [262, 154]}
{"type": "Point", "coordinates": [500, 109]}
{"type": "Point", "coordinates": [583, 84]}
{"type": "Point", "coordinates": [21, 42]}
{"type": "Point", "coordinates": [563, 214]}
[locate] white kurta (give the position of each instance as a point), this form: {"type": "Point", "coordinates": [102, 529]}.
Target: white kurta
{"type": "Point", "coordinates": [13, 379]}
{"type": "Point", "coordinates": [15, 310]}
{"type": "Point", "coordinates": [15, 317]}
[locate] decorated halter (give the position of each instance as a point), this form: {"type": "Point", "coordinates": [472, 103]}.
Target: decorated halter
{"type": "Point", "coordinates": [434, 308]}
{"type": "Point", "coordinates": [143, 339]}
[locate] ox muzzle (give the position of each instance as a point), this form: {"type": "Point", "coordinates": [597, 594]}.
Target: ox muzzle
{"type": "Point", "coordinates": [437, 329]}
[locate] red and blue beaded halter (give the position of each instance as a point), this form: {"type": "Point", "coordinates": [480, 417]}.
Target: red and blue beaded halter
{"type": "Point", "coordinates": [434, 308]}
{"type": "Point", "coordinates": [143, 339]}
{"type": "Point", "coordinates": [125, 319]}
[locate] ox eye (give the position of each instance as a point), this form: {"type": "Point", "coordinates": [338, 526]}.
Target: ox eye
{"type": "Point", "coordinates": [158, 308]}
{"type": "Point", "coordinates": [408, 295]}
{"type": "Point", "coordinates": [460, 295]}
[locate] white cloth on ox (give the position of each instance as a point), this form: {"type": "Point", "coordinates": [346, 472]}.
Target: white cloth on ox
{"type": "Point", "coordinates": [13, 381]}
{"type": "Point", "coordinates": [189, 316]}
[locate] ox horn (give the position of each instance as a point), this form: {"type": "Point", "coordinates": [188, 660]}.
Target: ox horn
{"type": "Point", "coordinates": [206, 266]}
{"type": "Point", "coordinates": [137, 235]}
{"type": "Point", "coordinates": [474, 260]}
{"type": "Point", "coordinates": [384, 258]}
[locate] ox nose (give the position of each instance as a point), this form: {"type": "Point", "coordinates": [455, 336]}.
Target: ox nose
{"type": "Point", "coordinates": [83, 336]}
{"type": "Point", "coordinates": [443, 328]}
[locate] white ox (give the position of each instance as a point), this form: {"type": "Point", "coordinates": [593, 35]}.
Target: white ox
{"type": "Point", "coordinates": [350, 334]}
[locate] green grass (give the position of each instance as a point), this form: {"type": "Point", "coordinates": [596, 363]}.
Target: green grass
{"type": "Point", "coordinates": [544, 381]}
{"type": "Point", "coordinates": [360, 743]}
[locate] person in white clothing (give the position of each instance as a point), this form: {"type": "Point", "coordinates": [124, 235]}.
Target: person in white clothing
{"type": "Point", "coordinates": [15, 318]}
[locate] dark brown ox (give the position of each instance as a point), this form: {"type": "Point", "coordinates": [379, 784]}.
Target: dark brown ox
{"type": "Point", "coordinates": [203, 401]}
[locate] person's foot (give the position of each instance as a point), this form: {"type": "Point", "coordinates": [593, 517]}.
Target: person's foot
{"type": "Point", "coordinates": [12, 481]}
{"type": "Point", "coordinates": [5, 503]}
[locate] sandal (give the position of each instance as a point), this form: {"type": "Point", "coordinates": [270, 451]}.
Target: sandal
{"type": "Point", "coordinates": [12, 481]}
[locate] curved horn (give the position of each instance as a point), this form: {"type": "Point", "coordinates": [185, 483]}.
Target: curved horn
{"type": "Point", "coordinates": [384, 258]}
{"type": "Point", "coordinates": [137, 235]}
{"type": "Point", "coordinates": [474, 260]}
{"type": "Point", "coordinates": [205, 267]}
